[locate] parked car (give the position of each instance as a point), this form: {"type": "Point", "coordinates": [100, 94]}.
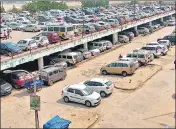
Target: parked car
{"type": "Point", "coordinates": [123, 39]}
{"type": "Point", "coordinates": [27, 44]}
{"type": "Point", "coordinates": [165, 42]}
{"type": "Point", "coordinates": [17, 79]}
{"type": "Point", "coordinates": [129, 34]}
{"type": "Point", "coordinates": [171, 23]}
{"type": "Point", "coordinates": [52, 74]}
{"type": "Point", "coordinates": [95, 52]}
{"type": "Point", "coordinates": [16, 26]}
{"type": "Point", "coordinates": [156, 50]}
{"type": "Point", "coordinates": [107, 43]}
{"type": "Point", "coordinates": [7, 27]}
{"type": "Point", "coordinates": [163, 47]}
{"type": "Point", "coordinates": [31, 28]}
{"type": "Point", "coordinates": [119, 67]}
{"type": "Point", "coordinates": [86, 53]}
{"type": "Point", "coordinates": [41, 40]}
{"type": "Point", "coordinates": [171, 38]}
{"type": "Point", "coordinates": [136, 63]}
{"type": "Point", "coordinates": [9, 48]}
{"type": "Point", "coordinates": [88, 29]}
{"type": "Point", "coordinates": [143, 30]}
{"type": "Point", "coordinates": [6, 88]}
{"type": "Point", "coordinates": [102, 86]}
{"type": "Point", "coordinates": [81, 94]}
{"type": "Point", "coordinates": [98, 45]}
{"type": "Point", "coordinates": [52, 36]}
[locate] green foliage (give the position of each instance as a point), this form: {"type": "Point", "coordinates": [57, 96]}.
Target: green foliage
{"type": "Point", "coordinates": [134, 2]}
{"type": "Point", "coordinates": [43, 6]}
{"type": "Point", "coordinates": [2, 9]}
{"type": "Point", "coordinates": [94, 3]}
{"type": "Point", "coordinates": [14, 10]}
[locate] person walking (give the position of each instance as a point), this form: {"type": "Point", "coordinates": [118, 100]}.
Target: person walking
{"type": "Point", "coordinates": [8, 34]}
{"type": "Point", "coordinates": [5, 34]}
{"type": "Point", "coordinates": [120, 56]}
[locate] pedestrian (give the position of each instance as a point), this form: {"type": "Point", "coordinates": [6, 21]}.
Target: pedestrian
{"type": "Point", "coordinates": [120, 56]}
{"type": "Point", "coordinates": [8, 34]}
{"type": "Point", "coordinates": [5, 34]}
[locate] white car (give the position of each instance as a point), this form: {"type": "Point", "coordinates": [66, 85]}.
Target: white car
{"type": "Point", "coordinates": [41, 40]}
{"type": "Point", "coordinates": [31, 28]}
{"type": "Point", "coordinates": [95, 52]}
{"type": "Point", "coordinates": [164, 47]}
{"type": "Point", "coordinates": [171, 23]}
{"type": "Point", "coordinates": [81, 94]}
{"type": "Point", "coordinates": [125, 58]}
{"type": "Point", "coordinates": [102, 86]}
{"type": "Point", "coordinates": [27, 44]}
{"type": "Point", "coordinates": [156, 50]}
{"type": "Point", "coordinates": [165, 42]}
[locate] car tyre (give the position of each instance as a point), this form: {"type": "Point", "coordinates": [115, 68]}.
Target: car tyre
{"type": "Point", "coordinates": [66, 99]}
{"type": "Point", "coordinates": [103, 94]}
{"type": "Point", "coordinates": [33, 30]}
{"type": "Point", "coordinates": [50, 83]}
{"type": "Point", "coordinates": [124, 73]}
{"type": "Point", "coordinates": [104, 72]}
{"type": "Point", "coordinates": [88, 104]}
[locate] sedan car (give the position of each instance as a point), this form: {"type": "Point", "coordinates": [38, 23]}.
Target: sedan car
{"type": "Point", "coordinates": [81, 94]}
{"type": "Point", "coordinates": [9, 48]}
{"type": "Point", "coordinates": [16, 26]}
{"type": "Point", "coordinates": [41, 40]}
{"type": "Point", "coordinates": [27, 44]}
{"type": "Point", "coordinates": [6, 88]}
{"type": "Point", "coordinates": [102, 86]}
{"type": "Point", "coordinates": [31, 28]}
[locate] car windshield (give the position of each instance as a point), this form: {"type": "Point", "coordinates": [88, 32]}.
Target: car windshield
{"type": "Point", "coordinates": [2, 82]}
{"type": "Point", "coordinates": [87, 91]}
{"type": "Point", "coordinates": [36, 38]}
{"type": "Point", "coordinates": [11, 45]}
{"type": "Point", "coordinates": [108, 83]}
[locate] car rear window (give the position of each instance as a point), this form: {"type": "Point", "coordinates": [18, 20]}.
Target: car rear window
{"type": "Point", "coordinates": [141, 56]}
{"type": "Point", "coordinates": [108, 83]}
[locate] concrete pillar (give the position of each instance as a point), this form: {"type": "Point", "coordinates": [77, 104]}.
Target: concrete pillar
{"type": "Point", "coordinates": [150, 23]}
{"type": "Point", "coordinates": [161, 19]}
{"type": "Point", "coordinates": [115, 38]}
{"type": "Point", "coordinates": [135, 28]}
{"type": "Point", "coordinates": [85, 46]}
{"type": "Point", "coordinates": [40, 63]}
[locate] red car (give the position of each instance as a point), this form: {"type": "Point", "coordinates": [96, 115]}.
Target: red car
{"type": "Point", "coordinates": [53, 37]}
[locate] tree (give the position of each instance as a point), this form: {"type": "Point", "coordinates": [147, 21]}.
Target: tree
{"type": "Point", "coordinates": [2, 9]}
{"type": "Point", "coordinates": [134, 2]}
{"type": "Point", "coordinates": [14, 10]}
{"type": "Point", "coordinates": [95, 3]}
{"type": "Point", "coordinates": [43, 6]}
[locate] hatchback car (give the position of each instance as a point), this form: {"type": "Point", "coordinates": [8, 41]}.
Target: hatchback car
{"type": "Point", "coordinates": [27, 44]}
{"type": "Point", "coordinates": [102, 86]}
{"type": "Point", "coordinates": [41, 40]}
{"type": "Point", "coordinates": [31, 28]}
{"type": "Point", "coordinates": [17, 79]}
{"type": "Point", "coordinates": [79, 93]}
{"type": "Point", "coordinates": [9, 48]}
{"type": "Point", "coordinates": [6, 88]}
{"type": "Point", "coordinates": [119, 67]}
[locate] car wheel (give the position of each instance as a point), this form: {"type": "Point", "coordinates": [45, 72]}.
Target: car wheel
{"type": "Point", "coordinates": [124, 74]}
{"type": "Point", "coordinates": [162, 54]}
{"type": "Point", "coordinates": [88, 104]}
{"type": "Point", "coordinates": [104, 72]}
{"type": "Point", "coordinates": [103, 94]}
{"type": "Point", "coordinates": [50, 83]}
{"type": "Point", "coordinates": [66, 99]}
{"type": "Point", "coordinates": [33, 30]}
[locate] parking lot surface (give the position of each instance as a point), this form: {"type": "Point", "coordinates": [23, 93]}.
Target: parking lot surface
{"type": "Point", "coordinates": [132, 107]}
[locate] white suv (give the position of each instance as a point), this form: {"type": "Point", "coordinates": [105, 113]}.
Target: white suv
{"type": "Point", "coordinates": [102, 86]}
{"type": "Point", "coordinates": [81, 94]}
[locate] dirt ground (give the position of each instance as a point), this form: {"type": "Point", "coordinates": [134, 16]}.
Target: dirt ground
{"type": "Point", "coordinates": [128, 108]}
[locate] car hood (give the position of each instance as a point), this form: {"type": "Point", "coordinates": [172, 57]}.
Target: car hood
{"type": "Point", "coordinates": [94, 95]}
{"type": "Point", "coordinates": [6, 86]}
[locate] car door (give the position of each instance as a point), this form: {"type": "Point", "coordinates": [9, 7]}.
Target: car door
{"type": "Point", "coordinates": [55, 76]}
{"type": "Point", "coordinates": [71, 94]}
{"type": "Point", "coordinates": [125, 67]}
{"type": "Point", "coordinates": [89, 84]}
{"type": "Point", "coordinates": [97, 86]}
{"type": "Point", "coordinates": [112, 68]}
{"type": "Point", "coordinates": [3, 49]}
{"type": "Point", "coordinates": [79, 96]}
{"type": "Point", "coordinates": [118, 68]}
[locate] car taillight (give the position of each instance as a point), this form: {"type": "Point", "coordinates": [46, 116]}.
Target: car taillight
{"type": "Point", "coordinates": [62, 92]}
{"type": "Point", "coordinates": [20, 82]}
{"type": "Point", "coordinates": [107, 87]}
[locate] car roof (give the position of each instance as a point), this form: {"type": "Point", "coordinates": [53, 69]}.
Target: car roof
{"type": "Point", "coordinates": [99, 80]}
{"type": "Point", "coordinates": [120, 61]}
{"type": "Point", "coordinates": [151, 46]}
{"type": "Point", "coordinates": [28, 39]}
{"type": "Point", "coordinates": [153, 42]}
{"type": "Point", "coordinates": [49, 69]}
{"type": "Point", "coordinates": [164, 40]}
{"type": "Point", "coordinates": [69, 53]}
{"type": "Point", "coordinates": [77, 86]}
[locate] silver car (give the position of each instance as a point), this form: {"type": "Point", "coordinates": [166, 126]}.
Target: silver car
{"type": "Point", "coordinates": [31, 28]}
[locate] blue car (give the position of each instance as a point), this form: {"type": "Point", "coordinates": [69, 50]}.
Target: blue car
{"type": "Point", "coordinates": [9, 48]}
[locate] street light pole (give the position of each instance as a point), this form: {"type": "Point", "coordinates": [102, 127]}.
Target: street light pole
{"type": "Point", "coordinates": [35, 90]}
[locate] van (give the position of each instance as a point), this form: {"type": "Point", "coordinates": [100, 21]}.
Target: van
{"type": "Point", "coordinates": [70, 57]}
{"type": "Point", "coordinates": [52, 74]}
{"type": "Point", "coordinates": [119, 67]}
{"type": "Point", "coordinates": [101, 45]}
{"type": "Point", "coordinates": [142, 57]}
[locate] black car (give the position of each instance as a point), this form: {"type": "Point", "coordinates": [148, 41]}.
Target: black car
{"type": "Point", "coordinates": [6, 88]}
{"type": "Point", "coordinates": [8, 48]}
{"type": "Point", "coordinates": [171, 38]}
